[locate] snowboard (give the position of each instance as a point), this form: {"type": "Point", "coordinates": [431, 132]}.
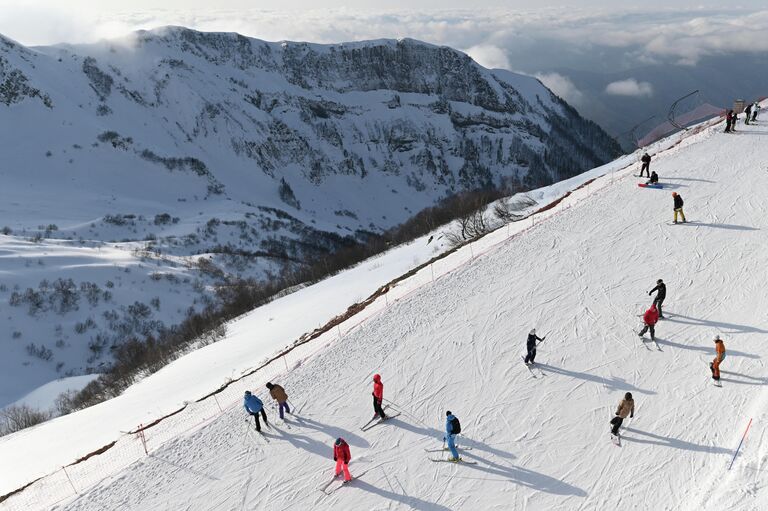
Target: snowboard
{"type": "Point", "coordinates": [658, 186]}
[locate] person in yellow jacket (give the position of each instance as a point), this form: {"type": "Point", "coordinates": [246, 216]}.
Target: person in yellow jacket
{"type": "Point", "coordinates": [715, 364]}
{"type": "Point", "coordinates": [626, 407]}
{"type": "Point", "coordinates": [278, 394]}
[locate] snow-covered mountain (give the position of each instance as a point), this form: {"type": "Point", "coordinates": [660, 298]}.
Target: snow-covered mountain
{"type": "Point", "coordinates": [145, 169]}
{"type": "Point", "coordinates": [450, 337]}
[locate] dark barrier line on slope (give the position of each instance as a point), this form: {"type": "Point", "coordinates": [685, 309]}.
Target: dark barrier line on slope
{"type": "Point", "coordinates": [351, 311]}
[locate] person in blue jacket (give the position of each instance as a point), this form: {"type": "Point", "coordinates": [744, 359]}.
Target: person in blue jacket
{"type": "Point", "coordinates": [253, 406]}
{"type": "Point", "coordinates": [452, 428]}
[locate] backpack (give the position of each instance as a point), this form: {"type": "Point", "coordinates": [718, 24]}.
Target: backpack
{"type": "Point", "coordinates": [455, 426]}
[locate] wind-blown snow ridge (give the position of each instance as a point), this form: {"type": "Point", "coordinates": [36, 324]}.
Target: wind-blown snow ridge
{"type": "Point", "coordinates": [473, 316]}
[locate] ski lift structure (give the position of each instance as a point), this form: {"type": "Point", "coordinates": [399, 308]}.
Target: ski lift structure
{"type": "Point", "coordinates": [686, 110]}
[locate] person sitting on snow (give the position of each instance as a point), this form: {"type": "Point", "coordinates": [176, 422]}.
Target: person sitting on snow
{"type": "Point", "coordinates": [654, 179]}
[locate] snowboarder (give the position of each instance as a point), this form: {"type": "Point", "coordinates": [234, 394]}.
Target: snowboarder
{"type": "Point", "coordinates": [660, 295]}
{"type": "Point", "coordinates": [452, 428]}
{"type": "Point", "coordinates": [646, 159]}
{"type": "Point", "coordinates": [253, 406]}
{"type": "Point", "coordinates": [728, 121]}
{"type": "Point", "coordinates": [714, 366]}
{"type": "Point", "coordinates": [342, 457]}
{"type": "Point", "coordinates": [748, 111]}
{"type": "Point", "coordinates": [278, 394]}
{"type": "Point", "coordinates": [654, 179]}
{"type": "Point", "coordinates": [678, 206]}
{"type": "Point", "coordinates": [626, 407]}
{"type": "Point", "coordinates": [650, 318]}
{"type": "Point", "coordinates": [530, 344]}
{"type": "Point", "coordinates": [378, 397]}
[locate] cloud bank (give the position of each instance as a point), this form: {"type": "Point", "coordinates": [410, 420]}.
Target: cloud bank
{"type": "Point", "coordinates": [629, 87]}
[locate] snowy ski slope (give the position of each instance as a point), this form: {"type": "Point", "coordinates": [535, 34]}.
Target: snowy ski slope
{"type": "Point", "coordinates": [581, 277]}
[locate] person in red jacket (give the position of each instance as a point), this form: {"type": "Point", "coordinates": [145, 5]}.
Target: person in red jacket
{"type": "Point", "coordinates": [650, 318]}
{"type": "Point", "coordinates": [378, 397]}
{"type": "Point", "coordinates": [342, 456]}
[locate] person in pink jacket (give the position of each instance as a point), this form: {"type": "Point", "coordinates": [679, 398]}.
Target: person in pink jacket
{"type": "Point", "coordinates": [342, 457]}
{"type": "Point", "coordinates": [378, 396]}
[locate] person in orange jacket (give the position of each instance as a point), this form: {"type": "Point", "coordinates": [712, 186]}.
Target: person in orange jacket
{"type": "Point", "coordinates": [650, 318]}
{"type": "Point", "coordinates": [715, 364]}
{"type": "Point", "coordinates": [378, 397]}
{"type": "Point", "coordinates": [342, 457]}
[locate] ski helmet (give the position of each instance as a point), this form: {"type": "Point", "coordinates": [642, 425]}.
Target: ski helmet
{"type": "Point", "coordinates": [269, 385]}
{"type": "Point", "coordinates": [376, 377]}
{"type": "Point", "coordinates": [247, 393]}
{"type": "Point", "coordinates": [533, 331]}
{"type": "Point", "coordinates": [659, 281]}
{"type": "Point", "coordinates": [448, 413]}
{"type": "Point", "coordinates": [717, 338]}
{"type": "Point", "coordinates": [628, 396]}
{"type": "Point", "coordinates": [339, 441]}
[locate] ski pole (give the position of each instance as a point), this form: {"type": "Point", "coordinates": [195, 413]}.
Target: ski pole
{"type": "Point", "coordinates": [741, 442]}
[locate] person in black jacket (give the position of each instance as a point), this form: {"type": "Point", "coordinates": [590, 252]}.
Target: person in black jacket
{"type": "Point", "coordinates": [531, 346]}
{"type": "Point", "coordinates": [728, 121]}
{"type": "Point", "coordinates": [654, 179]}
{"type": "Point", "coordinates": [678, 206]}
{"type": "Point", "coordinates": [748, 111]}
{"type": "Point", "coordinates": [646, 159]}
{"type": "Point", "coordinates": [661, 289]}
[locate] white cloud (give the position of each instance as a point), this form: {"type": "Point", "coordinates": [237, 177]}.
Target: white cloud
{"type": "Point", "coordinates": [629, 87]}
{"type": "Point", "coordinates": [533, 39]}
{"type": "Point", "coordinates": [563, 87]}
{"type": "Point", "coordinates": [489, 56]}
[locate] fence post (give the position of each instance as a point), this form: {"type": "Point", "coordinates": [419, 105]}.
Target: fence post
{"type": "Point", "coordinates": [338, 329]}
{"type": "Point", "coordinates": [432, 267]}
{"type": "Point", "coordinates": [70, 480]}
{"type": "Point", "coordinates": [217, 404]}
{"type": "Point", "coordinates": [741, 442]}
{"type": "Point", "coordinates": [143, 439]}
{"type": "Point", "coordinates": [285, 362]}
{"type": "Point", "coordinates": [471, 251]}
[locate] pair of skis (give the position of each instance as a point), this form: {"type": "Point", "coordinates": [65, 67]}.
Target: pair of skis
{"type": "Point", "coordinates": [530, 368]}
{"type": "Point", "coordinates": [642, 339]}
{"type": "Point", "coordinates": [374, 422]}
{"type": "Point", "coordinates": [445, 449]}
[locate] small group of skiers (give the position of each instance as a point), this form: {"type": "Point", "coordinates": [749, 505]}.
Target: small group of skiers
{"type": "Point", "coordinates": [750, 115]}
{"type": "Point", "coordinates": [255, 406]}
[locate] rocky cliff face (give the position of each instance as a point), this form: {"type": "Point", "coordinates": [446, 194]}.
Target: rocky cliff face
{"type": "Point", "coordinates": [300, 144]}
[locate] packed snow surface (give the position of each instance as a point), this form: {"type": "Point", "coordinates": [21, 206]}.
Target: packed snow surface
{"type": "Point", "coordinates": [539, 437]}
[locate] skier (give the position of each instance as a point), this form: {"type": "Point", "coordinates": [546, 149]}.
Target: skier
{"type": "Point", "coordinates": [662, 293]}
{"type": "Point", "coordinates": [452, 428]}
{"type": "Point", "coordinates": [650, 318]}
{"type": "Point", "coordinates": [278, 394]}
{"type": "Point", "coordinates": [755, 110]}
{"type": "Point", "coordinates": [253, 406]}
{"type": "Point", "coordinates": [646, 159]}
{"type": "Point", "coordinates": [678, 201]}
{"type": "Point", "coordinates": [654, 179]}
{"type": "Point", "coordinates": [714, 366]}
{"type": "Point", "coordinates": [342, 457]}
{"type": "Point", "coordinates": [378, 397]}
{"type": "Point", "coordinates": [530, 344]}
{"type": "Point", "coordinates": [626, 407]}
{"type": "Point", "coordinates": [728, 121]}
{"type": "Point", "coordinates": [748, 111]}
